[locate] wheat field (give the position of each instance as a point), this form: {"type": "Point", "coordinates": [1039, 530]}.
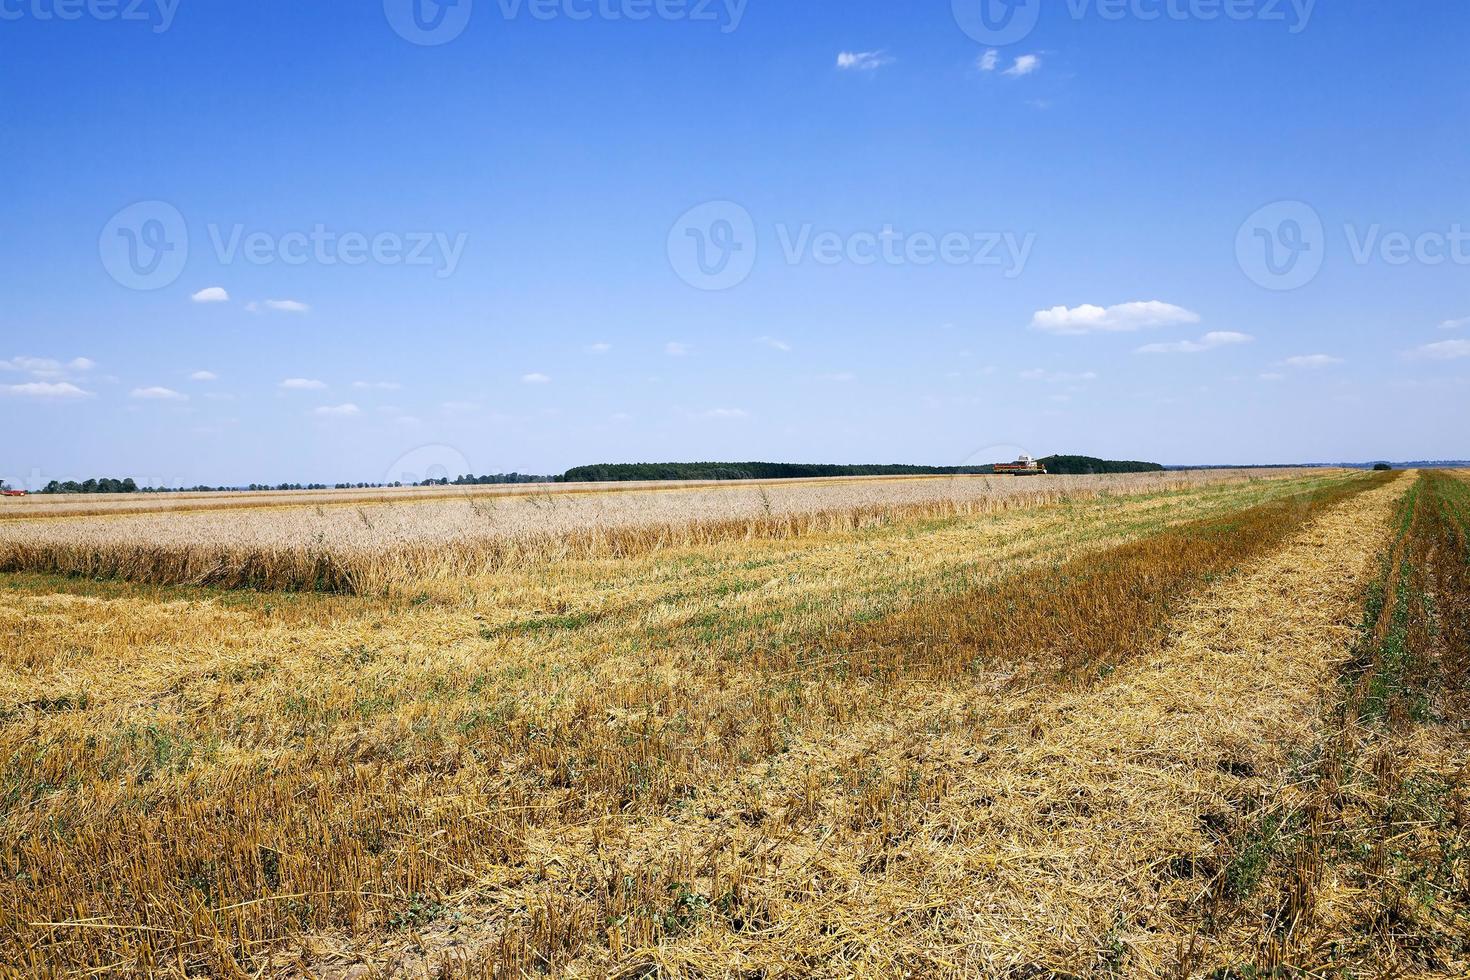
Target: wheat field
{"type": "Point", "coordinates": [1193, 725]}
{"type": "Point", "coordinates": [407, 540]}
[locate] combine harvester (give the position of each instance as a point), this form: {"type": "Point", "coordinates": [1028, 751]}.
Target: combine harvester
{"type": "Point", "coordinates": [1023, 466]}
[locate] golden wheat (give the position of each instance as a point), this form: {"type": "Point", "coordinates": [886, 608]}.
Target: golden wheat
{"type": "Point", "coordinates": [680, 759]}
{"type": "Point", "coordinates": [393, 547]}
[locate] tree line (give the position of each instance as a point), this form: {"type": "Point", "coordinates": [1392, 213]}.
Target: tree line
{"type": "Point", "coordinates": [623, 472]}
{"type": "Point", "coordinates": [129, 485]}
{"type": "Point", "coordinates": [630, 472]}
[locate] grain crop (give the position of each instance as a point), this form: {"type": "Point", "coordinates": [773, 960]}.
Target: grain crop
{"type": "Point", "coordinates": [390, 546]}
{"type": "Point", "coordinates": [1039, 736]}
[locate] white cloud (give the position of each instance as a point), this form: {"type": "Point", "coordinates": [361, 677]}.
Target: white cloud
{"type": "Point", "coordinates": [725, 413]}
{"type": "Point", "coordinates": [1464, 321]}
{"type": "Point", "coordinates": [32, 365]}
{"type": "Point", "coordinates": [1445, 350]}
{"type": "Point", "coordinates": [159, 394]}
{"type": "Point", "coordinates": [279, 306]}
{"type": "Point", "coordinates": [203, 376]}
{"type": "Point", "coordinates": [675, 349]}
{"type": "Point", "coordinates": [773, 343]}
{"type": "Point", "coordinates": [1273, 376]}
{"type": "Point", "coordinates": [1058, 377]}
{"type": "Point", "coordinates": [377, 385]}
{"type": "Point", "coordinates": [303, 384]}
{"type": "Point", "coordinates": [1123, 318]}
{"type": "Point", "coordinates": [1024, 65]}
{"type": "Point", "coordinates": [46, 389]}
{"type": "Point", "coordinates": [988, 61]}
{"type": "Point", "coordinates": [211, 294]}
{"type": "Point", "coordinates": [862, 60]}
{"type": "Point", "coordinates": [1311, 361]}
{"type": "Point", "coordinates": [337, 411]}
{"type": "Point", "coordinates": [838, 377]}
{"type": "Point", "coordinates": [535, 378]}
{"type": "Point", "coordinates": [46, 367]}
{"type": "Point", "coordinates": [1210, 341]}
{"type": "Point", "coordinates": [598, 348]}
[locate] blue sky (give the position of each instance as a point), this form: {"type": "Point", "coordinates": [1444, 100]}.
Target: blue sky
{"type": "Point", "coordinates": [919, 245]}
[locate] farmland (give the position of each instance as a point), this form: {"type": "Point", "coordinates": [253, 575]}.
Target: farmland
{"type": "Point", "coordinates": [1143, 725]}
{"type": "Point", "coordinates": [387, 541]}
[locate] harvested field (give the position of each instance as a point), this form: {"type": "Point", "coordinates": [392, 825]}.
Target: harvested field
{"type": "Point", "coordinates": [386, 546]}
{"type": "Point", "coordinates": [1165, 733]}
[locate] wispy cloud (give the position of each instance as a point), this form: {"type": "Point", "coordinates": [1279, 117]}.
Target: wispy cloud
{"type": "Point", "coordinates": [725, 413]}
{"type": "Point", "coordinates": [1445, 350]}
{"type": "Point", "coordinates": [774, 343]}
{"type": "Point", "coordinates": [46, 367]}
{"type": "Point", "coordinates": [377, 385]}
{"type": "Point", "coordinates": [1311, 362]}
{"type": "Point", "coordinates": [862, 60]}
{"type": "Point", "coordinates": [536, 378]}
{"type": "Point", "coordinates": [46, 390]}
{"type": "Point", "coordinates": [337, 411]}
{"type": "Point", "coordinates": [676, 349]}
{"type": "Point", "coordinates": [159, 394]}
{"type": "Point", "coordinates": [303, 384]}
{"type": "Point", "coordinates": [838, 377]}
{"type": "Point", "coordinates": [598, 348]}
{"type": "Point", "coordinates": [211, 294]}
{"type": "Point", "coordinates": [203, 376]}
{"type": "Point", "coordinates": [1463, 321]}
{"type": "Point", "coordinates": [988, 61]}
{"type": "Point", "coordinates": [1058, 377]}
{"type": "Point", "coordinates": [1026, 64]}
{"type": "Point", "coordinates": [279, 306]}
{"type": "Point", "coordinates": [1122, 318]}
{"type": "Point", "coordinates": [1210, 341]}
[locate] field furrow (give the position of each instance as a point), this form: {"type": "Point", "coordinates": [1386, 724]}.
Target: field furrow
{"type": "Point", "coordinates": [855, 750]}
{"type": "Point", "coordinates": [969, 828]}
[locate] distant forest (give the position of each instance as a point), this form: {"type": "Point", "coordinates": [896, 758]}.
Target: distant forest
{"type": "Point", "coordinates": [622, 472]}
{"type": "Point", "coordinates": [651, 472]}
{"type": "Point", "coordinates": [108, 485]}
